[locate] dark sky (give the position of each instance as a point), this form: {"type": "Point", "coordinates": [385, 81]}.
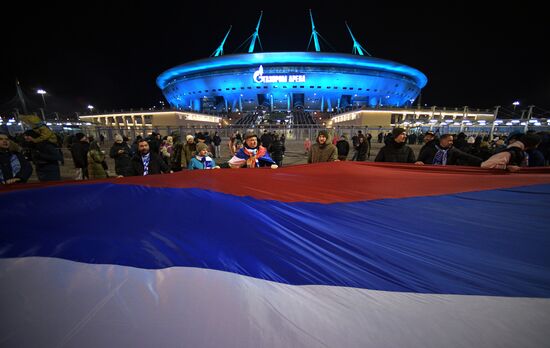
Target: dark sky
{"type": "Point", "coordinates": [109, 55]}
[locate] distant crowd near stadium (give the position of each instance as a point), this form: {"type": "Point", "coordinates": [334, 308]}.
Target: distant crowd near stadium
{"type": "Point", "coordinates": [50, 156]}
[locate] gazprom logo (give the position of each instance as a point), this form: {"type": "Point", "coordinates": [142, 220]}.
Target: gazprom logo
{"type": "Point", "coordinates": [259, 77]}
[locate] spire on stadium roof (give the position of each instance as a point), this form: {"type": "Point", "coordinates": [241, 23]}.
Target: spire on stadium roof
{"type": "Point", "coordinates": [314, 34]}
{"type": "Point", "coordinates": [357, 48]}
{"type": "Point", "coordinates": [219, 50]}
{"type": "Point", "coordinates": [255, 35]}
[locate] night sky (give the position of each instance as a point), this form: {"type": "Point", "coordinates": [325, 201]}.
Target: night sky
{"type": "Point", "coordinates": [109, 55]}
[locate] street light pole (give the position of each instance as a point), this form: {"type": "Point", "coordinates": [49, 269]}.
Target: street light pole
{"type": "Point", "coordinates": [42, 93]}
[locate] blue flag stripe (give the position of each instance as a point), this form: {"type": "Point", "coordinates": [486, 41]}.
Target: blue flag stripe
{"type": "Point", "coordinates": [477, 243]}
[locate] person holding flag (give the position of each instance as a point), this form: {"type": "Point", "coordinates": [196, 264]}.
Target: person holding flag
{"type": "Point", "coordinates": [252, 155]}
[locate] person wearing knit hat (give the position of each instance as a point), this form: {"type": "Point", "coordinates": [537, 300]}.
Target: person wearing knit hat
{"type": "Point", "coordinates": [323, 150]}
{"type": "Point", "coordinates": [396, 132]}
{"type": "Point", "coordinates": [252, 154]}
{"type": "Point", "coordinates": [396, 150]}
{"type": "Point", "coordinates": [188, 151]}
{"type": "Point", "coordinates": [202, 160]}
{"type": "Point", "coordinates": [121, 153]}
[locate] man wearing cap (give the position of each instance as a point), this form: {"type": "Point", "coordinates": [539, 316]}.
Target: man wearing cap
{"type": "Point", "coordinates": [14, 167]}
{"type": "Point", "coordinates": [252, 155]}
{"type": "Point", "coordinates": [396, 150]}
{"type": "Point", "coordinates": [120, 152]}
{"type": "Point", "coordinates": [322, 150]}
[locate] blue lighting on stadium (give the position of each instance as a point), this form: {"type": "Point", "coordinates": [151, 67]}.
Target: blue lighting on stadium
{"type": "Point", "coordinates": [283, 80]}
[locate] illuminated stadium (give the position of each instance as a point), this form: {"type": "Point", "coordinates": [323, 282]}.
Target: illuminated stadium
{"type": "Point", "coordinates": [290, 82]}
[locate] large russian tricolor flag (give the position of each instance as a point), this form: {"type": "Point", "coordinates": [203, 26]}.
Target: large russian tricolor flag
{"type": "Point", "coordinates": [343, 254]}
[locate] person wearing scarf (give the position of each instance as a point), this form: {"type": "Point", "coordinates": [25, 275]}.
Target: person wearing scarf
{"type": "Point", "coordinates": [146, 162]}
{"type": "Point", "coordinates": [14, 167]}
{"type": "Point", "coordinates": [252, 155]}
{"type": "Point", "coordinates": [442, 153]}
{"type": "Point", "coordinates": [202, 160]}
{"type": "Point", "coordinates": [440, 158]}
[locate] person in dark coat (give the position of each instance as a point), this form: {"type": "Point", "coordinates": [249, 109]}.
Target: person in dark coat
{"type": "Point", "coordinates": [277, 150]}
{"type": "Point", "coordinates": [460, 143]}
{"type": "Point", "coordinates": [343, 148]}
{"type": "Point", "coordinates": [79, 152]}
{"type": "Point", "coordinates": [217, 140]}
{"type": "Point", "coordinates": [45, 157]}
{"type": "Point", "coordinates": [396, 150]}
{"type": "Point", "coordinates": [154, 143]}
{"type": "Point", "coordinates": [146, 162]}
{"type": "Point", "coordinates": [14, 167]}
{"type": "Point", "coordinates": [266, 139]}
{"type": "Point", "coordinates": [362, 149]}
{"type": "Point", "coordinates": [120, 152]}
{"type": "Point", "coordinates": [442, 152]}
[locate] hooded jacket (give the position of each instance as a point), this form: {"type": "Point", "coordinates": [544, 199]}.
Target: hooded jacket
{"type": "Point", "coordinates": [322, 153]}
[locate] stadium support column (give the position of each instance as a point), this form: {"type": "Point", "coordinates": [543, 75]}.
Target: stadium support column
{"type": "Point", "coordinates": [225, 100]}
{"type": "Point", "coordinates": [288, 102]}
{"type": "Point", "coordinates": [464, 118]}
{"type": "Point", "coordinates": [329, 105]}
{"type": "Point", "coordinates": [493, 125]}
{"type": "Point", "coordinates": [338, 108]}
{"type": "Point", "coordinates": [322, 103]}
{"type": "Point", "coordinates": [529, 115]}
{"type": "Point", "coordinates": [240, 103]}
{"type": "Point", "coordinates": [271, 102]}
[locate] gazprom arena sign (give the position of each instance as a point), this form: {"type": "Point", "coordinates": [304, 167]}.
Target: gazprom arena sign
{"type": "Point", "coordinates": [259, 77]}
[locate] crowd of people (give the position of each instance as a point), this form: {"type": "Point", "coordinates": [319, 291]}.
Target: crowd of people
{"type": "Point", "coordinates": [155, 154]}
